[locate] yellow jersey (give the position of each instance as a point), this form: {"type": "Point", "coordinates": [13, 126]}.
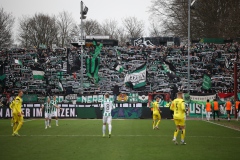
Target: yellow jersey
{"type": "Point", "coordinates": [155, 107]}
{"type": "Point", "coordinates": [179, 108]}
{"type": "Point", "coordinates": [17, 105]}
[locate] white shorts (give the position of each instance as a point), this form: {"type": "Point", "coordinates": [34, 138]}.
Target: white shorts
{"type": "Point", "coordinates": [48, 115]}
{"type": "Point", "coordinates": [107, 119]}
{"type": "Point", "coordinates": [54, 114]}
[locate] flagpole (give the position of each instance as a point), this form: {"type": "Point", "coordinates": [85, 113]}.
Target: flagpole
{"type": "Point", "coordinates": [189, 4]}
{"type": "Point", "coordinates": [81, 48]}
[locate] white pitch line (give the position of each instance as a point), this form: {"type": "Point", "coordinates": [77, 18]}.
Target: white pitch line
{"type": "Point", "coordinates": [117, 136]}
{"type": "Point", "coordinates": [28, 120]}
{"type": "Point", "coordinates": [224, 126]}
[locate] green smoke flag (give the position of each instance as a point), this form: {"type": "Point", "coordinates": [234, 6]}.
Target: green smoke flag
{"type": "Point", "coordinates": [207, 84]}
{"type": "Point", "coordinates": [93, 63]}
{"type": "Point", "coordinates": [137, 78]}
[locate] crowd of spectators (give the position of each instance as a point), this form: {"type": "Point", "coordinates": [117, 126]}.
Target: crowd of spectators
{"type": "Point", "coordinates": [215, 60]}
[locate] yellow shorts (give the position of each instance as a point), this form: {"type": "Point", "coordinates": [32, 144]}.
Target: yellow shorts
{"type": "Point", "coordinates": [156, 116]}
{"type": "Point", "coordinates": [17, 119]}
{"type": "Point", "coordinates": [179, 122]}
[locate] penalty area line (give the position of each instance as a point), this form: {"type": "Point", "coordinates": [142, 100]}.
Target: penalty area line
{"type": "Point", "coordinates": [224, 126]}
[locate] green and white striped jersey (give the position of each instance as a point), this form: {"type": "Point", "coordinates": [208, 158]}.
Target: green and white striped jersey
{"type": "Point", "coordinates": [54, 102]}
{"type": "Point", "coordinates": [107, 106]}
{"type": "Point", "coordinates": [48, 107]}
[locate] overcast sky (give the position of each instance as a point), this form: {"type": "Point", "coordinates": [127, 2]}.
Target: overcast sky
{"type": "Point", "coordinates": [98, 9]}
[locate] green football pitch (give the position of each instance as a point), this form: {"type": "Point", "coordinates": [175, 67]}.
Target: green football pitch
{"type": "Point", "coordinates": [81, 139]}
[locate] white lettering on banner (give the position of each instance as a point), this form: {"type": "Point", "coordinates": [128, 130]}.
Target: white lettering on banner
{"type": "Point", "coordinates": [71, 96]}
{"type": "Point", "coordinates": [27, 112]}
{"type": "Point", "coordinates": [198, 109]}
{"type": "Point", "coordinates": [64, 105]}
{"type": "Point", "coordinates": [135, 77]}
{"type": "Point", "coordinates": [131, 105]}
{"type": "Point", "coordinates": [80, 105]}
{"type": "Point", "coordinates": [1, 112]}
{"type": "Point", "coordinates": [94, 98]}
{"type": "Point", "coordinates": [202, 98]}
{"type": "Point", "coordinates": [192, 108]}
{"type": "Point", "coordinates": [89, 99]}
{"type": "Point", "coordinates": [95, 105]}
{"type": "Point", "coordinates": [67, 112]}
{"type": "Point", "coordinates": [8, 113]}
{"type": "Point", "coordinates": [138, 104]}
{"type": "Point", "coordinates": [84, 99]}
{"type": "Point", "coordinates": [38, 112]}
{"type": "Point", "coordinates": [29, 105]}
{"type": "Point", "coordinates": [71, 105]}
{"type": "Point", "coordinates": [72, 112]}
{"type": "Point", "coordinates": [37, 105]}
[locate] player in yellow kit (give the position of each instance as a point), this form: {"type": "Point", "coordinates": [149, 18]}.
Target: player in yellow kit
{"type": "Point", "coordinates": [11, 107]}
{"type": "Point", "coordinates": [156, 113]}
{"type": "Point", "coordinates": [17, 113]}
{"type": "Point", "coordinates": [179, 117]}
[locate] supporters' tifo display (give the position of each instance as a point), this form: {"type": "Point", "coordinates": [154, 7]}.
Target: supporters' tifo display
{"type": "Point", "coordinates": [134, 69]}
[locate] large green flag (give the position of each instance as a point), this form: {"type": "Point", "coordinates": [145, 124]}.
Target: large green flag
{"type": "Point", "coordinates": [93, 63]}
{"type": "Point", "coordinates": [207, 83]}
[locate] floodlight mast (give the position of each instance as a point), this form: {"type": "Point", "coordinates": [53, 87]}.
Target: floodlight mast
{"type": "Point", "coordinates": [190, 4]}
{"type": "Point", "coordinates": [83, 13]}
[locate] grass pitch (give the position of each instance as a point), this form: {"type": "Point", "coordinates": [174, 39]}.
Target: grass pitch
{"type": "Point", "coordinates": [131, 140]}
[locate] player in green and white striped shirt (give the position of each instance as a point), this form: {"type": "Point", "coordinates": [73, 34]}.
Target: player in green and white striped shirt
{"type": "Point", "coordinates": [107, 106]}
{"type": "Point", "coordinates": [48, 109]}
{"type": "Point", "coordinates": [55, 109]}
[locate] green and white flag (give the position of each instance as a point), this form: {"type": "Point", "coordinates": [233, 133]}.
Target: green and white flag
{"type": "Point", "coordinates": [18, 62]}
{"type": "Point", "coordinates": [207, 84]}
{"type": "Point", "coordinates": [119, 68]}
{"type": "Point", "coordinates": [38, 75]}
{"type": "Point", "coordinates": [137, 78]}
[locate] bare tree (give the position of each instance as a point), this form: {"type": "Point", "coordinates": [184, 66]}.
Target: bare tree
{"type": "Point", "coordinates": [109, 27]}
{"type": "Point", "coordinates": [24, 32]}
{"type": "Point", "coordinates": [155, 29]}
{"type": "Point", "coordinates": [212, 19]}
{"type": "Point", "coordinates": [6, 24]}
{"type": "Point", "coordinates": [121, 36]}
{"type": "Point", "coordinates": [40, 29]}
{"type": "Point", "coordinates": [65, 25]}
{"type": "Point", "coordinates": [133, 27]}
{"type": "Point", "coordinates": [91, 27]}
